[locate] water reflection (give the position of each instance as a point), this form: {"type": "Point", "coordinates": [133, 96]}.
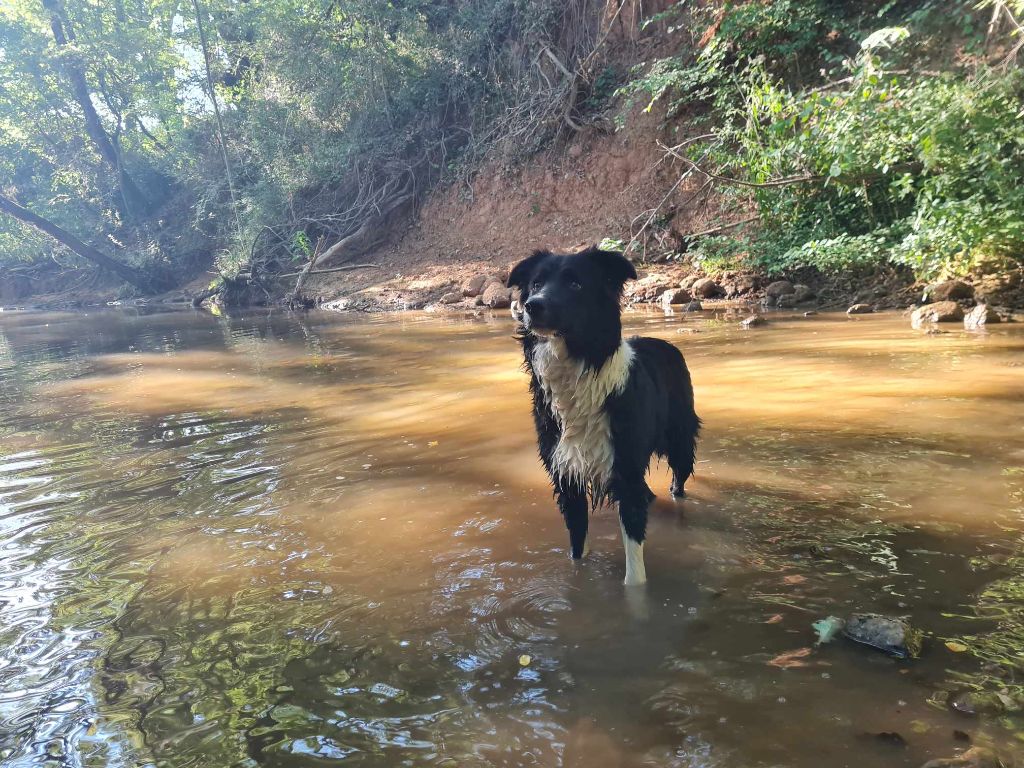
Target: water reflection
{"type": "Point", "coordinates": [287, 540]}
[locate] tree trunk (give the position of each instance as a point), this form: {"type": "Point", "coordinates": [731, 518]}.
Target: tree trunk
{"type": "Point", "coordinates": [135, 202]}
{"type": "Point", "coordinates": [130, 275]}
{"type": "Point", "coordinates": [216, 110]}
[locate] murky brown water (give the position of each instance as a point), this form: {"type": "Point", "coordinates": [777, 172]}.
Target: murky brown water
{"type": "Point", "coordinates": [288, 540]}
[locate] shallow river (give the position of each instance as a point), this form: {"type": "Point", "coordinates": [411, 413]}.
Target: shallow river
{"type": "Point", "coordinates": [289, 540]}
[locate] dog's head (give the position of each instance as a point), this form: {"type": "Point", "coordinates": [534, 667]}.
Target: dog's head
{"type": "Point", "coordinates": [575, 296]}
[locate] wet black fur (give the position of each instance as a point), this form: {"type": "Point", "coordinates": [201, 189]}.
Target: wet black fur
{"type": "Point", "coordinates": [578, 297]}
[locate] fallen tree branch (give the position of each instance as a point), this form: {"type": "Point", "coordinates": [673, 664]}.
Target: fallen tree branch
{"type": "Point", "coordinates": [740, 182]}
{"type": "Point", "coordinates": [145, 282]}
{"type": "Point", "coordinates": [373, 217]}
{"type": "Point", "coordinates": [668, 194]}
{"type": "Point", "coordinates": [199, 298]}
{"type": "Point", "coordinates": [559, 64]}
{"type": "Point", "coordinates": [722, 228]}
{"type": "Point", "coordinates": [346, 268]}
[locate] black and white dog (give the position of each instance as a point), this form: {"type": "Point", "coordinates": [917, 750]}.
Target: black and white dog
{"type": "Point", "coordinates": [602, 405]}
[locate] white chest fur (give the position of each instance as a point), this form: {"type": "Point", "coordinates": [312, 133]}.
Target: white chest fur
{"type": "Point", "coordinates": [576, 397]}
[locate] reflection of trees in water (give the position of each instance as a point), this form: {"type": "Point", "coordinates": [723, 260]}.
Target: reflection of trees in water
{"type": "Point", "coordinates": [121, 491]}
{"type": "Point", "coordinates": [188, 555]}
{"type": "Point", "coordinates": [996, 635]}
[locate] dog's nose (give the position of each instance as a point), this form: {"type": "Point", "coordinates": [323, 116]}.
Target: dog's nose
{"type": "Point", "coordinates": [534, 306]}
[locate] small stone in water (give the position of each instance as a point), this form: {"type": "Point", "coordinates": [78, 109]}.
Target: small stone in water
{"type": "Point", "coordinates": [524, 660]}
{"type": "Point", "coordinates": [891, 636]}
{"type": "Point", "coordinates": [385, 690]}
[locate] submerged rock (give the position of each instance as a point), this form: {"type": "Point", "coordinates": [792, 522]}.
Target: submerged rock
{"type": "Point", "coordinates": [753, 321]}
{"type": "Point", "coordinates": [860, 309]}
{"type": "Point", "coordinates": [888, 737]}
{"type": "Point", "coordinates": [938, 312]}
{"type": "Point", "coordinates": [975, 702]}
{"type": "Point", "coordinates": [981, 316]}
{"type": "Point", "coordinates": [693, 306]}
{"type": "Point", "coordinates": [892, 636]}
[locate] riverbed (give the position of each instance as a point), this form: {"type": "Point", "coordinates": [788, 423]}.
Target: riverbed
{"type": "Point", "coordinates": [284, 539]}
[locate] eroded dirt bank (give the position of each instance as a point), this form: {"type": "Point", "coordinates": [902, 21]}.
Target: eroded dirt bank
{"type": "Point", "coordinates": [603, 184]}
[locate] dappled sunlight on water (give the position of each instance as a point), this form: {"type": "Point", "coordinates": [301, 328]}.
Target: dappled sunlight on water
{"type": "Point", "coordinates": [290, 539]}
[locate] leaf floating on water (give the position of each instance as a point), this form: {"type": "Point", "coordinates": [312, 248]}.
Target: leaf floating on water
{"type": "Point", "coordinates": [794, 579]}
{"type": "Point", "coordinates": [956, 647]}
{"type": "Point", "coordinates": [524, 660]}
{"type": "Point", "coordinates": [827, 629]}
{"type": "Point", "coordinates": [433, 444]}
{"type": "Point", "coordinates": [791, 659]}
{"type": "Point", "coordinates": [920, 726]}
{"type": "Point", "coordinates": [775, 618]}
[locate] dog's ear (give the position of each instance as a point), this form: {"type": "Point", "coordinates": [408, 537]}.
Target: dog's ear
{"type": "Point", "coordinates": [519, 277]}
{"type": "Point", "coordinates": [616, 267]}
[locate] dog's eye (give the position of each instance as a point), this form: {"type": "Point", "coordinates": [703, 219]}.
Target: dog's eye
{"type": "Point", "coordinates": [535, 285]}
{"type": "Point", "coordinates": [574, 285]}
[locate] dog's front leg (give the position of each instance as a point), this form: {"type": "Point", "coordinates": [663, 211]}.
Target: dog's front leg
{"type": "Point", "coordinates": [633, 497]}
{"type": "Point", "coordinates": [572, 501]}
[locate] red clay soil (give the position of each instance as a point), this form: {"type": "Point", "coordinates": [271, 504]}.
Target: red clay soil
{"type": "Point", "coordinates": [564, 199]}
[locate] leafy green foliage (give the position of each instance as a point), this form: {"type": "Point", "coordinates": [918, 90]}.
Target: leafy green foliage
{"type": "Point", "coordinates": [881, 164]}
{"type": "Point", "coordinates": [688, 84]}
{"type": "Point", "coordinates": [926, 172]}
